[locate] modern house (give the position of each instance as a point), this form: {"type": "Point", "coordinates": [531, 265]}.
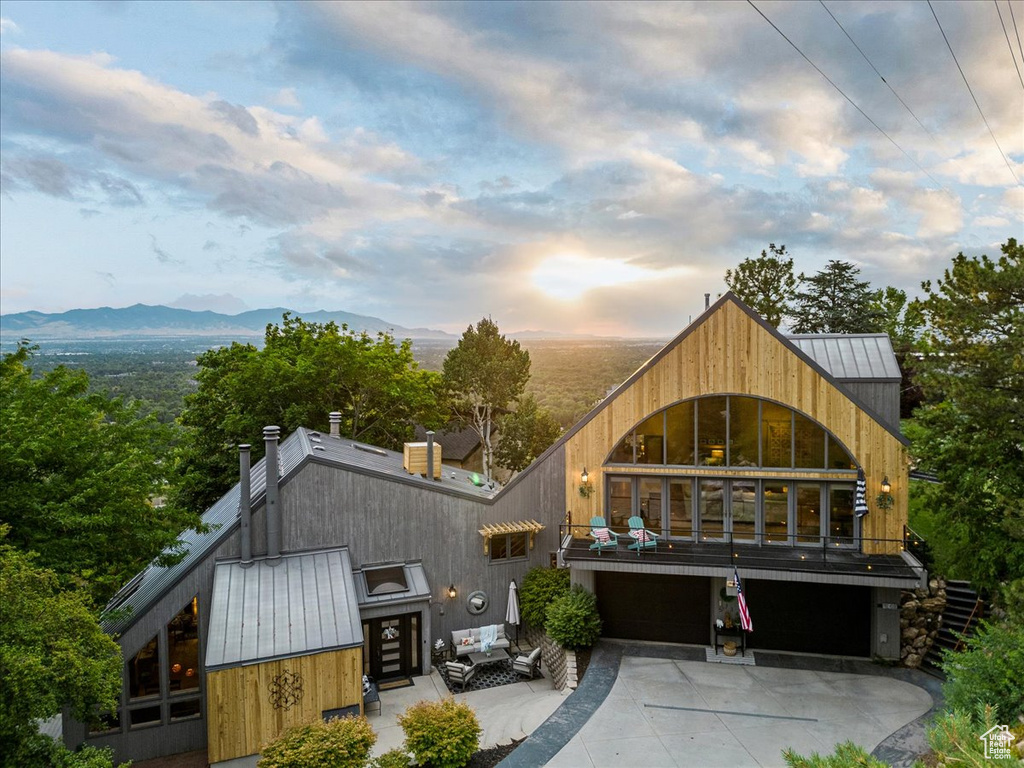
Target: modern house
{"type": "Point", "coordinates": [738, 445]}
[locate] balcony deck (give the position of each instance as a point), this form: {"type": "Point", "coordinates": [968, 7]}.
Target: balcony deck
{"type": "Point", "coordinates": [822, 562]}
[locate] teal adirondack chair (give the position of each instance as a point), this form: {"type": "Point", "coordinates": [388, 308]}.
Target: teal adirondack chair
{"type": "Point", "coordinates": [642, 538]}
{"type": "Point", "coordinates": [603, 536]}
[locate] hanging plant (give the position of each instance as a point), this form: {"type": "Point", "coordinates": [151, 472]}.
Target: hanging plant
{"type": "Point", "coordinates": [726, 597]}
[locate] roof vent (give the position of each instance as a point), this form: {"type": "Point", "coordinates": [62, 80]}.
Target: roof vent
{"type": "Point", "coordinates": [370, 449]}
{"type": "Point", "coordinates": [319, 448]}
{"type": "Point", "coordinates": [315, 440]}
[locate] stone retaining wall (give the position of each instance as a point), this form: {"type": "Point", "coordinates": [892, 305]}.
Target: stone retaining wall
{"type": "Point", "coordinates": [559, 663]}
{"type": "Point", "coordinates": [920, 619]}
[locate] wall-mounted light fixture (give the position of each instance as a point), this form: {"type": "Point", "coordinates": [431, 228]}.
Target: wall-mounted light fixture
{"type": "Point", "coordinates": [586, 487]}
{"type": "Point", "coordinates": [452, 592]}
{"type": "Point", "coordinates": [884, 499]}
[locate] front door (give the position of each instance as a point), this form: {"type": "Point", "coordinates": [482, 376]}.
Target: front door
{"type": "Point", "coordinates": [391, 646]}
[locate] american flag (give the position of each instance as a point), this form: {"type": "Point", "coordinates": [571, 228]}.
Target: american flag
{"type": "Point", "coordinates": [745, 623]}
{"type": "Point", "coordinates": [860, 502]}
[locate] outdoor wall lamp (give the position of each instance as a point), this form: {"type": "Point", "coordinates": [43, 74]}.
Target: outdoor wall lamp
{"type": "Point", "coordinates": [452, 592]}
{"type": "Point", "coordinates": [884, 499]}
{"type": "Point", "coordinates": [586, 487]}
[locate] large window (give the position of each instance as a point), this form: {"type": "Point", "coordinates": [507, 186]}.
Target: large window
{"type": "Point", "coordinates": [733, 431]}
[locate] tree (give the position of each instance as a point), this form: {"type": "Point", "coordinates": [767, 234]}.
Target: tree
{"type": "Point", "coordinates": [483, 375]}
{"type": "Point", "coordinates": [835, 301]}
{"type": "Point", "coordinates": [766, 283]}
{"type": "Point", "coordinates": [52, 652]}
{"type": "Point", "coordinates": [526, 433]}
{"type": "Point", "coordinates": [903, 322]}
{"type": "Point", "coordinates": [78, 475]}
{"type": "Point", "coordinates": [303, 373]}
{"type": "Point", "coordinates": [970, 432]}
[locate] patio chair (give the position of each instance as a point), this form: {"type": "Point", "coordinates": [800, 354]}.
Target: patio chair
{"type": "Point", "coordinates": [603, 536]}
{"type": "Point", "coordinates": [527, 663]}
{"type": "Point", "coordinates": [642, 538]}
{"type": "Point", "coordinates": [460, 673]}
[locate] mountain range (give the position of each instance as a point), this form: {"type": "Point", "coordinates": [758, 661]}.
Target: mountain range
{"type": "Point", "coordinates": [147, 320]}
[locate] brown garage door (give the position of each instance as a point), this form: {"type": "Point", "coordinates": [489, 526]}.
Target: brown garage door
{"type": "Point", "coordinates": [811, 618]}
{"type": "Point", "coordinates": [651, 606]}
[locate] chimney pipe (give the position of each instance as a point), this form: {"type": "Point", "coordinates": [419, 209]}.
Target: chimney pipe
{"type": "Point", "coordinates": [270, 437]}
{"type": "Point", "coordinates": [430, 454]}
{"type": "Point", "coordinates": [335, 417]}
{"type": "Point", "coordinates": [707, 301]}
{"type": "Point", "coordinates": [245, 503]}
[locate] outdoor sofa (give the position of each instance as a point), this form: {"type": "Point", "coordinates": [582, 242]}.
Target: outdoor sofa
{"type": "Point", "coordinates": [463, 648]}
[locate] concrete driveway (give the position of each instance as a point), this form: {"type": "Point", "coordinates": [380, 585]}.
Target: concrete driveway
{"type": "Point", "coordinates": [663, 712]}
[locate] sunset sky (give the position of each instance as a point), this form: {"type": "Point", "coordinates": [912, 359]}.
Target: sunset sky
{"type": "Point", "coordinates": [576, 167]}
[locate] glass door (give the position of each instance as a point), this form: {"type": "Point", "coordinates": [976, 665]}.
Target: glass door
{"type": "Point", "coordinates": [390, 646]}
{"type": "Point", "coordinates": [743, 510]}
{"type": "Point", "coordinates": [712, 509]}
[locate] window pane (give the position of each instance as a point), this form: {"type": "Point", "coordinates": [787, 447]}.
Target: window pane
{"type": "Point", "coordinates": [650, 503]}
{"type": "Point", "coordinates": [620, 504]}
{"type": "Point", "coordinates": [744, 509]}
{"type": "Point", "coordinates": [808, 512]}
{"type": "Point", "coordinates": [499, 547]}
{"type": "Point", "coordinates": [517, 545]}
{"type": "Point", "coordinates": [840, 509]}
{"type": "Point", "coordinates": [711, 431]}
{"type": "Point", "coordinates": [712, 510]}
{"type": "Point", "coordinates": [776, 512]}
{"type": "Point", "coordinates": [623, 453]}
{"type": "Point", "coordinates": [680, 508]}
{"type": "Point", "coordinates": [743, 432]}
{"type": "Point", "coordinates": [144, 716]}
{"type": "Point", "coordinates": [680, 434]}
{"type": "Point", "coordinates": [183, 649]}
{"type": "Point", "coordinates": [183, 710]}
{"type": "Point", "coordinates": [776, 435]}
{"type": "Point", "coordinates": [144, 672]}
{"type": "Point", "coordinates": [414, 629]}
{"type": "Point", "coordinates": [810, 443]}
{"type": "Point", "coordinates": [838, 458]}
{"type": "Point", "coordinates": [650, 440]}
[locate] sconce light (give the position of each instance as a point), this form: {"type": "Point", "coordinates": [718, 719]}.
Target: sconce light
{"type": "Point", "coordinates": [176, 668]}
{"type": "Point", "coordinates": [586, 487]}
{"type": "Point", "coordinates": [884, 499]}
{"type": "Point", "coordinates": [452, 592]}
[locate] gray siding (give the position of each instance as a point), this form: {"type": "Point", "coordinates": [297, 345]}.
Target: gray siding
{"type": "Point", "coordinates": [882, 397]}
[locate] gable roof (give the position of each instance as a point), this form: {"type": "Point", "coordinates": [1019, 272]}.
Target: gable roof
{"type": "Point", "coordinates": [456, 444]}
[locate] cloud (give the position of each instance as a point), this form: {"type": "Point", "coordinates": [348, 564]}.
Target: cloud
{"type": "Point", "coordinates": [224, 303]}
{"type": "Point", "coordinates": [50, 175]}
{"type": "Point", "coordinates": [8, 27]}
{"type": "Point", "coordinates": [161, 255]}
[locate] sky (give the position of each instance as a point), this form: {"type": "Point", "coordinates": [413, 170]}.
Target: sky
{"type": "Point", "coordinates": [572, 167]}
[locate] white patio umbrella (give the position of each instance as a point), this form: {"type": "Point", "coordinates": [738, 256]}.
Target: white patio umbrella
{"type": "Point", "coordinates": [512, 611]}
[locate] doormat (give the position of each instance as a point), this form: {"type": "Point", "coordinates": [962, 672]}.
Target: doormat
{"type": "Point", "coordinates": [721, 658]}
{"type": "Point", "coordinates": [391, 685]}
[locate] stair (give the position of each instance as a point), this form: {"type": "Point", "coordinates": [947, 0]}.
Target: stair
{"type": "Point", "coordinates": [964, 609]}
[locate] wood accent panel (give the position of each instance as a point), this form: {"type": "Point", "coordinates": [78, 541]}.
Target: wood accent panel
{"type": "Point", "coordinates": [730, 353]}
{"type": "Point", "coordinates": [240, 716]}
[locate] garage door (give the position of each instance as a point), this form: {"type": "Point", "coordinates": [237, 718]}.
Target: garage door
{"type": "Point", "coordinates": [651, 606]}
{"type": "Point", "coordinates": [810, 618]}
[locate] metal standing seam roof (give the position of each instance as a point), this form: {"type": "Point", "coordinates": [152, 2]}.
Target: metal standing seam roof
{"type": "Point", "coordinates": [304, 604]}
{"type": "Point", "coordinates": [851, 357]}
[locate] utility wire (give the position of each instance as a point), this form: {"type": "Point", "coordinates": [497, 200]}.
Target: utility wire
{"type": "Point", "coordinates": [971, 91]}
{"type": "Point", "coordinates": [1008, 44]}
{"type": "Point", "coordinates": [855, 106]}
{"type": "Point", "coordinates": [880, 76]}
{"type": "Point", "coordinates": [1015, 30]}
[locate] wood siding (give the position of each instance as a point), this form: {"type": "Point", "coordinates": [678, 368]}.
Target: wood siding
{"type": "Point", "coordinates": [730, 353]}
{"type": "Point", "coordinates": [242, 718]}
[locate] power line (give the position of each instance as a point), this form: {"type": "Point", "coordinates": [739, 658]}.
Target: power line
{"type": "Point", "coordinates": [880, 76]}
{"type": "Point", "coordinates": [971, 91]}
{"type": "Point", "coordinates": [1015, 30]}
{"type": "Point", "coordinates": [852, 102]}
{"type": "Point", "coordinates": [1008, 44]}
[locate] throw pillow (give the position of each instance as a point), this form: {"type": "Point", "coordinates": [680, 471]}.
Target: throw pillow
{"type": "Point", "coordinates": [602, 534]}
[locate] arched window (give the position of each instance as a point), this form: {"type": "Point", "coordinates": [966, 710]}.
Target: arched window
{"type": "Point", "coordinates": [732, 431]}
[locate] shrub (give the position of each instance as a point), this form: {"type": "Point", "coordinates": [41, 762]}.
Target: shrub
{"type": "Point", "coordinates": [342, 742]}
{"type": "Point", "coordinates": [393, 758]}
{"type": "Point", "coordinates": [989, 672]}
{"type": "Point", "coordinates": [573, 621]}
{"type": "Point", "coordinates": [540, 588]}
{"type": "Point", "coordinates": [954, 739]}
{"type": "Point", "coordinates": [847, 755]}
{"type": "Point", "coordinates": [441, 734]}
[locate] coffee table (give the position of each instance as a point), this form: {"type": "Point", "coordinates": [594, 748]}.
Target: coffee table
{"type": "Point", "coordinates": [495, 656]}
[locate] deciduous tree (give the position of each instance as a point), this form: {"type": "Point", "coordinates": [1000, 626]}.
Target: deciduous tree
{"type": "Point", "coordinates": [526, 433]}
{"type": "Point", "coordinates": [766, 283]}
{"type": "Point", "coordinates": [834, 301]}
{"type": "Point", "coordinates": [483, 375]}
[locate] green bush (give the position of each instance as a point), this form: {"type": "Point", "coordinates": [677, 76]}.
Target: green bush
{"type": "Point", "coordinates": [954, 739]}
{"type": "Point", "coordinates": [540, 588]}
{"type": "Point", "coordinates": [441, 734]}
{"type": "Point", "coordinates": [573, 621]}
{"type": "Point", "coordinates": [393, 758]}
{"type": "Point", "coordinates": [847, 755]}
{"type": "Point", "coordinates": [342, 742]}
{"type": "Point", "coordinates": [988, 673]}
